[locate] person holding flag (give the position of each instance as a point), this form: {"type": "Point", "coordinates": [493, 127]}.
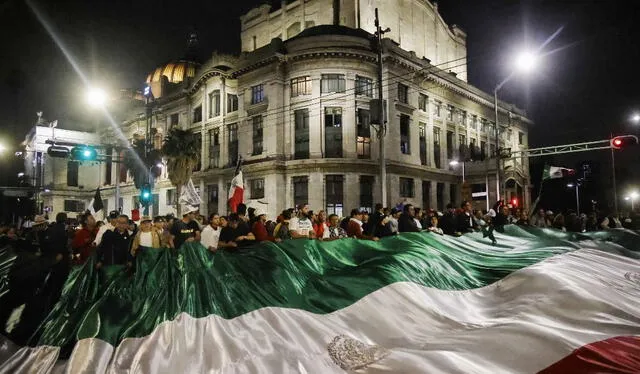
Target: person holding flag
{"type": "Point", "coordinates": [236, 191]}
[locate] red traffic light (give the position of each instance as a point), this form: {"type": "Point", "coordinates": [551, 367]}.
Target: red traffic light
{"type": "Point", "coordinates": [620, 142]}
{"type": "Point", "coordinates": [514, 202]}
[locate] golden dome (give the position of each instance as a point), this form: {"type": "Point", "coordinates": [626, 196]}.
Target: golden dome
{"type": "Point", "coordinates": [175, 72]}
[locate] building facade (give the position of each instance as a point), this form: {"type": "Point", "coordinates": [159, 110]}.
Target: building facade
{"type": "Point", "coordinates": [297, 110]}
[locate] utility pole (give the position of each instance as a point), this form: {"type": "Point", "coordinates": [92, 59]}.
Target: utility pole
{"type": "Point", "coordinates": [382, 125]}
{"type": "Point", "coordinates": [497, 136]}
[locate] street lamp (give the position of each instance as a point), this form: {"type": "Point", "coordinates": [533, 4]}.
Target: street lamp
{"type": "Point", "coordinates": [3, 148]}
{"type": "Point", "coordinates": [577, 187]}
{"type": "Point", "coordinates": [455, 163]}
{"type": "Point", "coordinates": [636, 118]}
{"type": "Point", "coordinates": [96, 97]}
{"type": "Point", "coordinates": [525, 62]}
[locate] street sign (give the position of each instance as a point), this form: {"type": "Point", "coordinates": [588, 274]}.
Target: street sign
{"type": "Point", "coordinates": [479, 194]}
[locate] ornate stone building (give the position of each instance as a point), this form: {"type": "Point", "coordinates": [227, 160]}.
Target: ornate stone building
{"type": "Point", "coordinates": [295, 105]}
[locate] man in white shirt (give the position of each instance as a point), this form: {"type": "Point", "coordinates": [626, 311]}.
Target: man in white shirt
{"type": "Point", "coordinates": [109, 226]}
{"type": "Point", "coordinates": [211, 233]}
{"type": "Point", "coordinates": [301, 227]}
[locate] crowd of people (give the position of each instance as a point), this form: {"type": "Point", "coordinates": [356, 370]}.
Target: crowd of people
{"type": "Point", "coordinates": [118, 240]}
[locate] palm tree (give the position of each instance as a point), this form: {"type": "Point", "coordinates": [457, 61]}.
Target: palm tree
{"type": "Point", "coordinates": [182, 152]}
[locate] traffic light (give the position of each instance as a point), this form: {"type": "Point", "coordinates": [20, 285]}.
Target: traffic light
{"type": "Point", "coordinates": [514, 202]}
{"type": "Point", "coordinates": [84, 153]}
{"type": "Point", "coordinates": [145, 195]}
{"type": "Point", "coordinates": [623, 141]}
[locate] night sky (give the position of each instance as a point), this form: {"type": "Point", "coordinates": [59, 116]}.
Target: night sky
{"type": "Point", "coordinates": [586, 87]}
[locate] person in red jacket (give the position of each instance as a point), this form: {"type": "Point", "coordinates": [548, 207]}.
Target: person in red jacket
{"type": "Point", "coordinates": [354, 227]}
{"type": "Point", "coordinates": [82, 243]}
{"type": "Point", "coordinates": [259, 228]}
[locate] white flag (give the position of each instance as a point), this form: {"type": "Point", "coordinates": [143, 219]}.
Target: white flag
{"type": "Point", "coordinates": [189, 195]}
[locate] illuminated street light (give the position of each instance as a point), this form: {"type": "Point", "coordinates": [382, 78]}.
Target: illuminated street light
{"type": "Point", "coordinates": [454, 162]}
{"type": "Point", "coordinates": [526, 61]}
{"type": "Point", "coordinates": [634, 195]}
{"type": "Point", "coordinates": [96, 97]}
{"type": "Point", "coordinates": [2, 148]}
{"type": "Point", "coordinates": [636, 118]}
{"type": "Point", "coordinates": [20, 175]}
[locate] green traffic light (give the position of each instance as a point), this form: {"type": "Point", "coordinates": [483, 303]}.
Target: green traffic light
{"type": "Point", "coordinates": [84, 153]}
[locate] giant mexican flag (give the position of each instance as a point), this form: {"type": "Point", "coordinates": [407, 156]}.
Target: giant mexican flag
{"type": "Point", "coordinates": [538, 301]}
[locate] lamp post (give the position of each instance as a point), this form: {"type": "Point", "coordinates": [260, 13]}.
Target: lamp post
{"type": "Point", "coordinates": [524, 63]}
{"type": "Point", "coordinates": [577, 187]}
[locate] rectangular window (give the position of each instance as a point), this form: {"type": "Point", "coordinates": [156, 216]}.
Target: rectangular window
{"type": "Point", "coordinates": [423, 142]}
{"type": "Point", "coordinates": [198, 137]}
{"type": "Point", "coordinates": [422, 102]}
{"type": "Point", "coordinates": [135, 201]}
{"type": "Point", "coordinates": [405, 134]}
{"type": "Point", "coordinates": [492, 150]}
{"type": "Point", "coordinates": [333, 132]}
{"type": "Point", "coordinates": [174, 120]}
{"type": "Point", "coordinates": [334, 194]}
{"type": "Point", "coordinates": [232, 103]}
{"type": "Point", "coordinates": [440, 196]}
{"type": "Point", "coordinates": [462, 147]}
{"type": "Point", "coordinates": [450, 110]}
{"type": "Point", "coordinates": [436, 147]}
{"type": "Point", "coordinates": [301, 134]}
{"type": "Point", "coordinates": [301, 86]}
{"type": "Point", "coordinates": [257, 94]}
{"type": "Point", "coordinates": [197, 114]}
{"type": "Point", "coordinates": [171, 196]}
{"type": "Point", "coordinates": [483, 125]}
{"type": "Point", "coordinates": [122, 178]}
{"type": "Point", "coordinates": [426, 195]}
{"type": "Point", "coordinates": [406, 187]}
{"type": "Point", "coordinates": [520, 137]}
{"type": "Point", "coordinates": [474, 122]}
{"type": "Point", "coordinates": [257, 188]}
{"type": "Point", "coordinates": [450, 145]}
{"type": "Point", "coordinates": [364, 86]}
{"type": "Point", "coordinates": [437, 109]}
{"type": "Point", "coordinates": [363, 139]}
{"type": "Point", "coordinates": [257, 135]}
{"type": "Point", "coordinates": [366, 192]}
{"type": "Point", "coordinates": [403, 93]}
{"type": "Point", "coordinates": [108, 167]}
{"type": "Point", "coordinates": [214, 148]}
{"type": "Point", "coordinates": [332, 83]}
{"type": "Point", "coordinates": [300, 190]}
{"type": "Point", "coordinates": [233, 144]}
{"type": "Point", "coordinates": [74, 206]}
{"type": "Point", "coordinates": [72, 173]}
{"type": "Point", "coordinates": [214, 103]}
{"type": "Point", "coordinates": [483, 150]}
{"type": "Point", "coordinates": [212, 201]}
{"type": "Point", "coordinates": [463, 118]}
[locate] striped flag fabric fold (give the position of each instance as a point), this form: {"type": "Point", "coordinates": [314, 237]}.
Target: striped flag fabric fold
{"type": "Point", "coordinates": [539, 301]}
{"type": "Point", "coordinates": [236, 192]}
